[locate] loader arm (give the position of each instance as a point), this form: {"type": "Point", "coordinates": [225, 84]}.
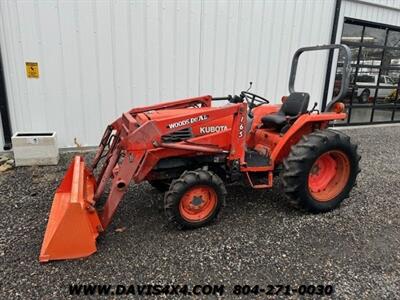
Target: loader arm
{"type": "Point", "coordinates": [128, 151]}
{"type": "Point", "coordinates": [204, 101]}
{"type": "Point", "coordinates": [136, 144]}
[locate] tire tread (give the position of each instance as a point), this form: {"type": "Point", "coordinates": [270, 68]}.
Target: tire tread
{"type": "Point", "coordinates": [295, 165]}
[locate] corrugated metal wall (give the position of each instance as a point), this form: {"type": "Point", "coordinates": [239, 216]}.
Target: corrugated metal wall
{"type": "Point", "coordinates": [363, 11]}
{"type": "Point", "coordinates": [384, 3]}
{"type": "Point", "coordinates": [99, 58]}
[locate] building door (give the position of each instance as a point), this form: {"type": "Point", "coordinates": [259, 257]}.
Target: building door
{"type": "Point", "coordinates": [373, 94]}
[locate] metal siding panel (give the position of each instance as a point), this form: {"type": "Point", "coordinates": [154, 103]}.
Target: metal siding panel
{"type": "Point", "coordinates": [153, 42]}
{"type": "Point", "coordinates": [230, 47]}
{"type": "Point", "coordinates": [121, 54]}
{"type": "Point", "coordinates": [138, 64]}
{"type": "Point", "coordinates": [100, 58]}
{"type": "Point", "coordinates": [166, 46]}
{"type": "Point", "coordinates": [277, 63]}
{"type": "Point", "coordinates": [30, 35]}
{"type": "Point", "coordinates": [364, 11]}
{"type": "Point", "coordinates": [388, 3]}
{"type": "Point", "coordinates": [104, 63]}
{"type": "Point", "coordinates": [16, 59]}
{"type": "Point", "coordinates": [10, 80]}
{"type": "Point", "coordinates": [268, 46]}
{"type": "Point", "coordinates": [51, 71]}
{"type": "Point", "coordinates": [74, 81]}
{"type": "Point", "coordinates": [192, 46]}
{"type": "Point", "coordinates": [89, 69]}
{"type": "Point", "coordinates": [257, 45]}
{"type": "Point", "coordinates": [186, 48]}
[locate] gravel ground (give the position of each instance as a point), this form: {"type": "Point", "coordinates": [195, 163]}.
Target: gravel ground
{"type": "Point", "coordinates": [259, 239]}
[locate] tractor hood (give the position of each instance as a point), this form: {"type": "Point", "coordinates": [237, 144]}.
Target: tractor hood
{"type": "Point", "coordinates": [212, 126]}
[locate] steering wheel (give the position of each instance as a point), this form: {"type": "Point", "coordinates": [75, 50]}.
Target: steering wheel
{"type": "Point", "coordinates": [253, 100]}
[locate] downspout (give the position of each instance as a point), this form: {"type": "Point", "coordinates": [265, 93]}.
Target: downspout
{"type": "Point", "coordinates": [330, 57]}
{"type": "Point", "coordinates": [4, 111]}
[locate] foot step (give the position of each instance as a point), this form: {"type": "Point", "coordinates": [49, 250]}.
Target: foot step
{"type": "Point", "coordinates": [255, 159]}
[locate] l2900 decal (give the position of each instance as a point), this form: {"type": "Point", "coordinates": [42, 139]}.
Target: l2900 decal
{"type": "Point", "coordinates": [187, 121]}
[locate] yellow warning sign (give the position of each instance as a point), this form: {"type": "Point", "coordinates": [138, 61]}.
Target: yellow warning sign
{"type": "Point", "coordinates": [32, 69]}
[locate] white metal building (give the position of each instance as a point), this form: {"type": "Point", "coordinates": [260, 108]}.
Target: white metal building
{"type": "Point", "coordinates": [97, 59]}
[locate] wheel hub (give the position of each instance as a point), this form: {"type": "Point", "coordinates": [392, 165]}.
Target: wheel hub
{"type": "Point", "coordinates": [329, 175]}
{"type": "Point", "coordinates": [322, 172]}
{"type": "Point", "coordinates": [315, 170]}
{"type": "Point", "coordinates": [198, 203]}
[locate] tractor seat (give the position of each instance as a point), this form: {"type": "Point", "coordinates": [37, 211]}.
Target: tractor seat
{"type": "Point", "coordinates": [294, 106]}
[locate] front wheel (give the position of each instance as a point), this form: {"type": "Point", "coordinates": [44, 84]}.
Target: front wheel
{"type": "Point", "coordinates": [195, 199]}
{"type": "Point", "coordinates": [320, 170]}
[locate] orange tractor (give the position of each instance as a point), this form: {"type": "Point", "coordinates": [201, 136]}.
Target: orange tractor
{"type": "Point", "coordinates": [190, 150]}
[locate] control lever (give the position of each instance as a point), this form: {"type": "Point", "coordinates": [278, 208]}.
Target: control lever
{"type": "Point", "coordinates": [313, 108]}
{"type": "Point", "coordinates": [250, 85]}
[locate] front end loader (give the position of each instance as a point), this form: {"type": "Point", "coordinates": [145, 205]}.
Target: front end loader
{"type": "Point", "coordinates": [191, 150]}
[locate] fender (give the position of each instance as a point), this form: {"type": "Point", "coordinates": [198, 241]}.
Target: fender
{"type": "Point", "coordinates": [304, 125]}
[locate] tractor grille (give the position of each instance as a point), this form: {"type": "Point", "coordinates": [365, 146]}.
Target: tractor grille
{"type": "Point", "coordinates": [178, 136]}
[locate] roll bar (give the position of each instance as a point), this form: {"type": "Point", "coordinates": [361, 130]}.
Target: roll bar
{"type": "Point", "coordinates": [346, 69]}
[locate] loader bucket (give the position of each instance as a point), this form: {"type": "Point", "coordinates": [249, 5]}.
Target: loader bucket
{"type": "Point", "coordinates": [73, 224]}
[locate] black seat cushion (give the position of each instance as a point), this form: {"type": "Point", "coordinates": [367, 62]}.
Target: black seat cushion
{"type": "Point", "coordinates": [276, 120]}
{"type": "Point", "coordinates": [295, 105]}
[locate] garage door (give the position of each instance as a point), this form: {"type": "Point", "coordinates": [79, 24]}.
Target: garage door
{"type": "Point", "coordinates": [373, 94]}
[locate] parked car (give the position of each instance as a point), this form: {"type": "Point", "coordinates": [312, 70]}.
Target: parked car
{"type": "Point", "coordinates": [364, 94]}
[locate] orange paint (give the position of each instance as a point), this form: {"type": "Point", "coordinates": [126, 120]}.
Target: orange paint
{"type": "Point", "coordinates": [329, 175]}
{"type": "Point", "coordinates": [73, 224]}
{"type": "Point", "coordinates": [133, 145]}
{"type": "Point", "coordinates": [198, 203]}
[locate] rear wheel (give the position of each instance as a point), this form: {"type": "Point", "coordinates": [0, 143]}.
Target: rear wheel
{"type": "Point", "coordinates": [320, 170]}
{"type": "Point", "coordinates": [195, 199]}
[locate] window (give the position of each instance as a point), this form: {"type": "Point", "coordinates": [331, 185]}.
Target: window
{"type": "Point", "coordinates": [389, 80]}
{"type": "Point", "coordinates": [373, 94]}
{"type": "Point", "coordinates": [365, 78]}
